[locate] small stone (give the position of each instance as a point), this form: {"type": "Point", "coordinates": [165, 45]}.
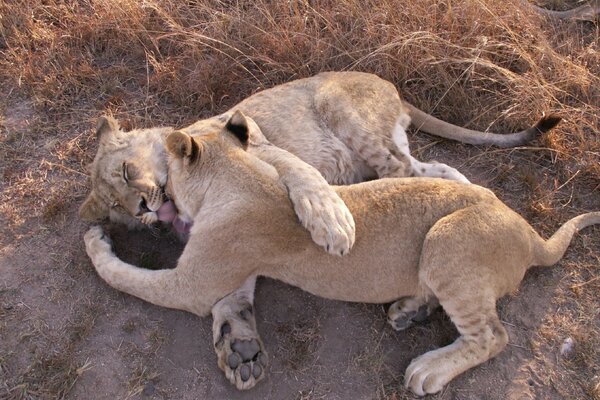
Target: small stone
{"type": "Point", "coordinates": [149, 389]}
{"type": "Point", "coordinates": [567, 349]}
{"type": "Point", "coordinates": [51, 144]}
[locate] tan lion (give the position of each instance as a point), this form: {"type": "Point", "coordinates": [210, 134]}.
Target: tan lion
{"type": "Point", "coordinates": [422, 241]}
{"type": "Point", "coordinates": [344, 127]}
{"type": "Point", "coordinates": [588, 11]}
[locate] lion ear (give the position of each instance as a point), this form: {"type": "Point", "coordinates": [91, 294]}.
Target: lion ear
{"type": "Point", "coordinates": [93, 209]}
{"type": "Point", "coordinates": [238, 126]}
{"type": "Point", "coordinates": [105, 126]}
{"type": "Point", "coordinates": [182, 145]}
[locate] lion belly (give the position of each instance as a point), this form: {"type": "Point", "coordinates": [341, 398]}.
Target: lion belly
{"type": "Point", "coordinates": [392, 220]}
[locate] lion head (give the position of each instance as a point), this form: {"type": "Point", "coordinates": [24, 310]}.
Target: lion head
{"type": "Point", "coordinates": [128, 175]}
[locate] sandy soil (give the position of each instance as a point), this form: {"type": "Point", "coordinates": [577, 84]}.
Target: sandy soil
{"type": "Point", "coordinates": [66, 333]}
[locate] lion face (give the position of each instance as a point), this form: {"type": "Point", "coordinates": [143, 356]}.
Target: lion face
{"type": "Point", "coordinates": [128, 174]}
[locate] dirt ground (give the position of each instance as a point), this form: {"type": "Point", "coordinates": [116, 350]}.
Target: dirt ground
{"type": "Point", "coordinates": [65, 334]}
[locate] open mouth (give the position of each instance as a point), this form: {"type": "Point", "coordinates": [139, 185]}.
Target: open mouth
{"type": "Point", "coordinates": [168, 213]}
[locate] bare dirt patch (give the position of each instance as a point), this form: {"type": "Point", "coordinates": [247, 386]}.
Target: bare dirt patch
{"type": "Point", "coordinates": [482, 64]}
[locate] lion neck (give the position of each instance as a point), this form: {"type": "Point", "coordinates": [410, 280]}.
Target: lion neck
{"type": "Point", "coordinates": [226, 178]}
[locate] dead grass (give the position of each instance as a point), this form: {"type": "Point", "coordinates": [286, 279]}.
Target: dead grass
{"type": "Point", "coordinates": [52, 369]}
{"type": "Point", "coordinates": [142, 381]}
{"type": "Point", "coordinates": [298, 342]}
{"type": "Point", "coordinates": [478, 63]}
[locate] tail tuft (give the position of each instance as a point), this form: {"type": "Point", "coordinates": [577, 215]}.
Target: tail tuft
{"type": "Point", "coordinates": [546, 123]}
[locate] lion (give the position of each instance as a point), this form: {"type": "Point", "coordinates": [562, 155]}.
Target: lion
{"type": "Point", "coordinates": [333, 128]}
{"type": "Point", "coordinates": [420, 242]}
{"type": "Point", "coordinates": [585, 12]}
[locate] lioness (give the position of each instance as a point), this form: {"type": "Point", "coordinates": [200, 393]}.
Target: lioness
{"type": "Point", "coordinates": [585, 12]}
{"type": "Point", "coordinates": [348, 127]}
{"type": "Point", "coordinates": [419, 240]}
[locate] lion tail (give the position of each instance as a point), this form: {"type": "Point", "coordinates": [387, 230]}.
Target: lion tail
{"type": "Point", "coordinates": [428, 123]}
{"type": "Point", "coordinates": [549, 252]}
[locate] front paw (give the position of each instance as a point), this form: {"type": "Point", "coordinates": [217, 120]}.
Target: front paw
{"type": "Point", "coordinates": [97, 243]}
{"type": "Point", "coordinates": [240, 351]}
{"type": "Point", "coordinates": [327, 218]}
{"type": "Point", "coordinates": [149, 218]}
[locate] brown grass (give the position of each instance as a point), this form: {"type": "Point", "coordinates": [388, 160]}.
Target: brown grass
{"type": "Point", "coordinates": [299, 341]}
{"type": "Point", "coordinates": [51, 369]}
{"type": "Point", "coordinates": [478, 63]}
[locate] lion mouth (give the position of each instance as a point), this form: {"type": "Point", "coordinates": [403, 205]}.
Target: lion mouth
{"type": "Point", "coordinates": [168, 213]}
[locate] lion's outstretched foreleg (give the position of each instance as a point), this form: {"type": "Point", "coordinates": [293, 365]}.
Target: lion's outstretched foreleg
{"type": "Point", "coordinates": [160, 287]}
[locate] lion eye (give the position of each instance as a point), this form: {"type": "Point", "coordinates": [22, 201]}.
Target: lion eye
{"type": "Point", "coordinates": [125, 173]}
{"type": "Point", "coordinates": [114, 204]}
{"type": "Point", "coordinates": [143, 205]}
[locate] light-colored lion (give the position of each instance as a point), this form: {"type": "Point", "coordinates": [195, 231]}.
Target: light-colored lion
{"type": "Point", "coordinates": [344, 128]}
{"type": "Point", "coordinates": [588, 11]}
{"type": "Point", "coordinates": [423, 241]}
{"type": "Point", "coordinates": [349, 126]}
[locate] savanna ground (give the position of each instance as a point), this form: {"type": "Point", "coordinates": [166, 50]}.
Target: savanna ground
{"type": "Point", "coordinates": [484, 64]}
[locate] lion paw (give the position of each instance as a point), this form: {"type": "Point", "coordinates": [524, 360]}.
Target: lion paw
{"type": "Point", "coordinates": [149, 218]}
{"type": "Point", "coordinates": [240, 352]}
{"type": "Point", "coordinates": [97, 243]}
{"type": "Point", "coordinates": [326, 217]}
{"type": "Point", "coordinates": [407, 311]}
{"type": "Point", "coordinates": [428, 373]}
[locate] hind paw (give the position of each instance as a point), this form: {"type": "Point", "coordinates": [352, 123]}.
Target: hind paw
{"type": "Point", "coordinates": [407, 311]}
{"type": "Point", "coordinates": [240, 351]}
{"type": "Point", "coordinates": [429, 373]}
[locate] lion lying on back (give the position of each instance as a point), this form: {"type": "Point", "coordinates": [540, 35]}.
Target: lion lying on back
{"type": "Point", "coordinates": [419, 240]}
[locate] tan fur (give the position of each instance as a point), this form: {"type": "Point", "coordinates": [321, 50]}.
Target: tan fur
{"type": "Point", "coordinates": [427, 239]}
{"type": "Point", "coordinates": [336, 127]}
{"type": "Point", "coordinates": [585, 12]}
{"type": "Point", "coordinates": [349, 126]}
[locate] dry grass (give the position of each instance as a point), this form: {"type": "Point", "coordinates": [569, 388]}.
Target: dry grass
{"type": "Point", "coordinates": [298, 342]}
{"type": "Point", "coordinates": [51, 369]}
{"type": "Point", "coordinates": [141, 381]}
{"type": "Point", "coordinates": [168, 62]}
{"type": "Point", "coordinates": [478, 63]}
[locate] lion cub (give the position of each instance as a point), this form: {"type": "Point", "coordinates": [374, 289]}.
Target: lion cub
{"type": "Point", "coordinates": [419, 240]}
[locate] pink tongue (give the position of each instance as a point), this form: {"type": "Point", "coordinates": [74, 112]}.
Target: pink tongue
{"type": "Point", "coordinates": [168, 213]}
{"type": "Point", "coordinates": [181, 226]}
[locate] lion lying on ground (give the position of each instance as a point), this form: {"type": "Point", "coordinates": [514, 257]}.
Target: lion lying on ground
{"type": "Point", "coordinates": [588, 11]}
{"type": "Point", "coordinates": [348, 127]}
{"type": "Point", "coordinates": [422, 241]}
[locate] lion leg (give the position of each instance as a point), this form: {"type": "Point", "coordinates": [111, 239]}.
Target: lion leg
{"type": "Point", "coordinates": [419, 168]}
{"type": "Point", "coordinates": [437, 170]}
{"type": "Point", "coordinates": [378, 154]}
{"type": "Point", "coordinates": [467, 283]}
{"type": "Point", "coordinates": [482, 337]}
{"type": "Point", "coordinates": [318, 207]}
{"type": "Point", "coordinates": [240, 350]}
{"type": "Point", "coordinates": [407, 311]}
{"type": "Point", "coordinates": [160, 287]}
